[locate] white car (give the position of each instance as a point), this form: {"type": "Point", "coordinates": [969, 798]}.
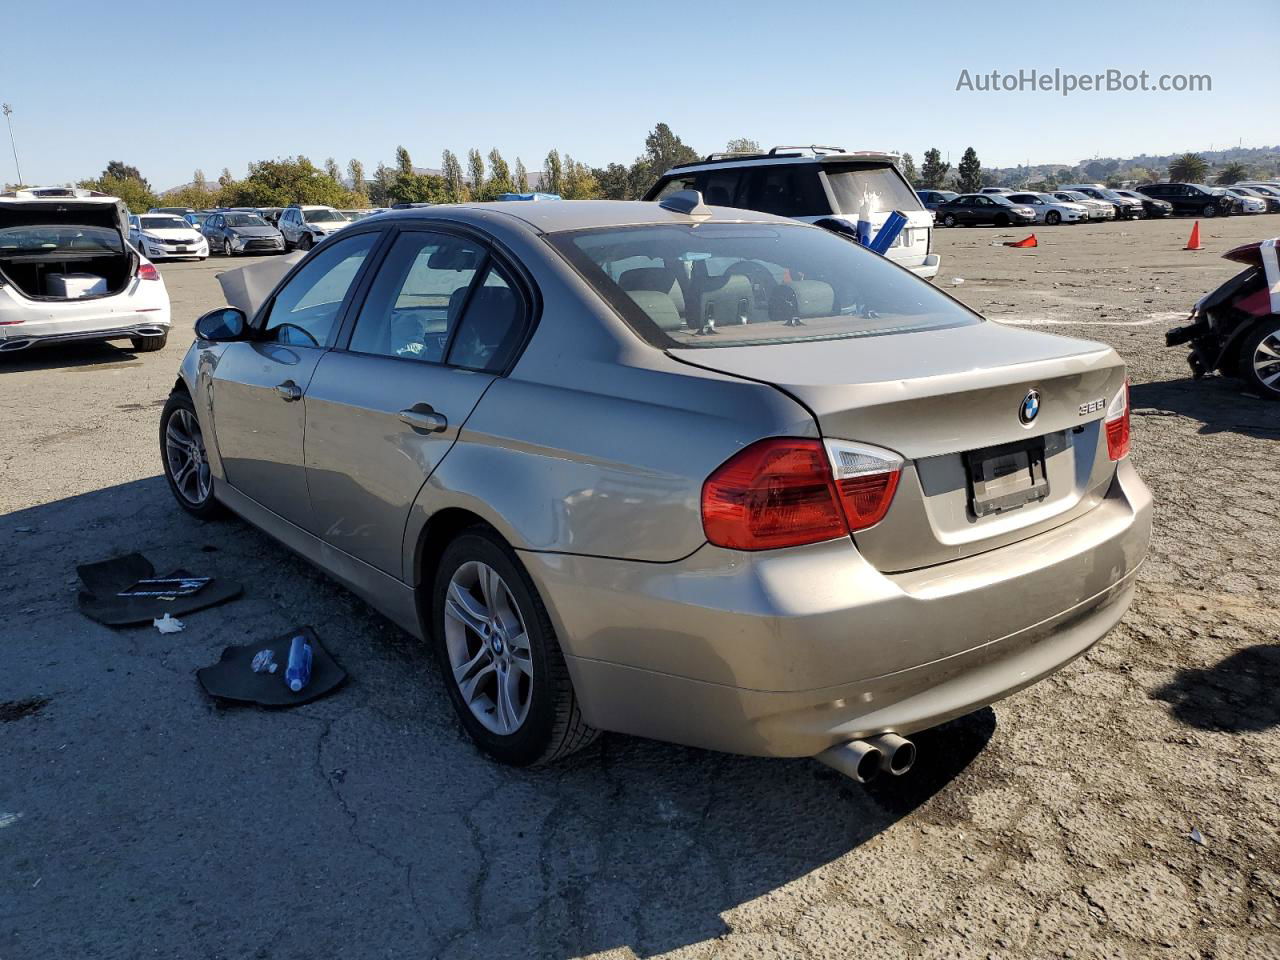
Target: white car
{"type": "Point", "coordinates": [1098, 209]}
{"type": "Point", "coordinates": [167, 236]}
{"type": "Point", "coordinates": [305, 226]}
{"type": "Point", "coordinates": [67, 272]}
{"type": "Point", "coordinates": [1252, 202]}
{"type": "Point", "coordinates": [1049, 209]}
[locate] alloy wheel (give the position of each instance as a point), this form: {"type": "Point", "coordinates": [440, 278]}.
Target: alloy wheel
{"type": "Point", "coordinates": [185, 456]}
{"type": "Point", "coordinates": [488, 647]}
{"type": "Point", "coordinates": [1266, 361]}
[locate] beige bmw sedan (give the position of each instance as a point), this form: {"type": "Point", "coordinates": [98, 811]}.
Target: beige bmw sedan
{"type": "Point", "coordinates": [677, 471]}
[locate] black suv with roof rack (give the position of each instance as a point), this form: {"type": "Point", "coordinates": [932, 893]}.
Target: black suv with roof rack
{"type": "Point", "coordinates": [814, 183]}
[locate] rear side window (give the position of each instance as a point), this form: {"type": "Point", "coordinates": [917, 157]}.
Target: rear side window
{"type": "Point", "coordinates": [723, 188]}
{"type": "Point", "coordinates": [675, 185]}
{"type": "Point", "coordinates": [869, 188]}
{"type": "Point", "coordinates": [788, 191]}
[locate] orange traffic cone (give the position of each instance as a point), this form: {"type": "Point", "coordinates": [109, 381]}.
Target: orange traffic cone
{"type": "Point", "coordinates": [1026, 242]}
{"type": "Point", "coordinates": [1194, 242]}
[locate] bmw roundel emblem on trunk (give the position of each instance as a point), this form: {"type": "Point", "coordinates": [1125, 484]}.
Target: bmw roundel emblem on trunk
{"type": "Point", "coordinates": [1030, 408]}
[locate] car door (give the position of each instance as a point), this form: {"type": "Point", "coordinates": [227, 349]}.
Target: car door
{"type": "Point", "coordinates": [442, 318]}
{"type": "Point", "coordinates": [258, 384]}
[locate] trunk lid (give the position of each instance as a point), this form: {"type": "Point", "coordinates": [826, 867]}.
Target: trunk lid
{"type": "Point", "coordinates": [937, 398]}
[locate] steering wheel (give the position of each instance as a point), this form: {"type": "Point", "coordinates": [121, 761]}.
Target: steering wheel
{"type": "Point", "coordinates": [302, 330]}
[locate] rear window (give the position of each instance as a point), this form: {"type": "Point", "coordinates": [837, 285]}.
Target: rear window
{"type": "Point", "coordinates": [722, 284]}
{"type": "Point", "coordinates": [60, 238]}
{"type": "Point", "coordinates": [873, 188]}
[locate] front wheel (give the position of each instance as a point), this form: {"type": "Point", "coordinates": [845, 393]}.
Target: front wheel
{"type": "Point", "coordinates": [186, 465]}
{"type": "Point", "coordinates": [498, 651]}
{"type": "Point", "coordinates": [1260, 359]}
{"type": "Point", "coordinates": [1053, 218]}
{"type": "Point", "coordinates": [305, 242]}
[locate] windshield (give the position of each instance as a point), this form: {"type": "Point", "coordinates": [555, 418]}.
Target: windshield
{"type": "Point", "coordinates": [1048, 198]}
{"type": "Point", "coordinates": [321, 216]}
{"type": "Point", "coordinates": [41, 239]}
{"type": "Point", "coordinates": [728, 285]}
{"type": "Point", "coordinates": [871, 189]}
{"type": "Point", "coordinates": [244, 220]}
{"type": "Point", "coordinates": [165, 223]}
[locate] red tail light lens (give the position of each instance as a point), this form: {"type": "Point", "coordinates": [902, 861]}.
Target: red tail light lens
{"type": "Point", "coordinates": [775, 493]}
{"type": "Point", "coordinates": [1117, 424]}
{"type": "Point", "coordinates": [785, 492]}
{"type": "Point", "coordinates": [147, 271]}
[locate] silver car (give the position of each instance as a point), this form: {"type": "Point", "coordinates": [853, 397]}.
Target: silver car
{"type": "Point", "coordinates": [686, 472]}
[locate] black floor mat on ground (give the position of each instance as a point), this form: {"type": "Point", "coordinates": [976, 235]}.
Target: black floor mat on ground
{"type": "Point", "coordinates": [232, 677]}
{"type": "Point", "coordinates": [105, 579]}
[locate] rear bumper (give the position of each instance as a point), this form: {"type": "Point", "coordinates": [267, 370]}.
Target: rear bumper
{"type": "Point", "coordinates": [788, 652]}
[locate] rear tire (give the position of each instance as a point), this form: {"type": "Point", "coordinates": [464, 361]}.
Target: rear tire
{"type": "Point", "coordinates": [1210, 210]}
{"type": "Point", "coordinates": [949, 220]}
{"type": "Point", "coordinates": [552, 726]}
{"type": "Point", "coordinates": [149, 344]}
{"type": "Point", "coordinates": [1260, 359]}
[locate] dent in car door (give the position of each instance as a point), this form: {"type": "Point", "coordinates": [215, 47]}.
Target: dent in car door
{"type": "Point", "coordinates": [440, 321]}
{"type": "Point", "coordinates": [257, 387]}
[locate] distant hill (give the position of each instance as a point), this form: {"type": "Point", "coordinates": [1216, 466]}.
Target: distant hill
{"type": "Point", "coordinates": [1263, 162]}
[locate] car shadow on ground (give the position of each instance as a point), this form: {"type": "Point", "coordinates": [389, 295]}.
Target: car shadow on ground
{"type": "Point", "coordinates": [632, 843]}
{"type": "Point", "coordinates": [1235, 695]}
{"type": "Point", "coordinates": [69, 356]}
{"type": "Point", "coordinates": [1218, 403]}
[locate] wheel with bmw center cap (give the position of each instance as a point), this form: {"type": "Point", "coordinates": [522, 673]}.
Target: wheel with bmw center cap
{"type": "Point", "coordinates": [502, 664]}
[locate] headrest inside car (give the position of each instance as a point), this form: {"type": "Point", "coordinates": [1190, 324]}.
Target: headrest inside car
{"type": "Point", "coordinates": [658, 307]}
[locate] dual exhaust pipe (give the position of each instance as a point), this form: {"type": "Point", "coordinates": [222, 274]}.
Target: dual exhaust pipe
{"type": "Point", "coordinates": [864, 760]}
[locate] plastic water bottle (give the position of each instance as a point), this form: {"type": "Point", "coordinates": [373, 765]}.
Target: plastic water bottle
{"type": "Point", "coordinates": [298, 674]}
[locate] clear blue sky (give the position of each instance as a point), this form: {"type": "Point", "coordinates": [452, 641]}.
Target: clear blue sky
{"type": "Point", "coordinates": [174, 86]}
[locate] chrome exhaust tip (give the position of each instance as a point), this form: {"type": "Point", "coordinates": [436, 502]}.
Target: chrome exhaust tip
{"type": "Point", "coordinates": [858, 760]}
{"type": "Point", "coordinates": [898, 754]}
{"type": "Point", "coordinates": [13, 346]}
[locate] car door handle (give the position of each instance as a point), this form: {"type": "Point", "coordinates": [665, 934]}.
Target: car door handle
{"type": "Point", "coordinates": [289, 391]}
{"type": "Point", "coordinates": [427, 420]}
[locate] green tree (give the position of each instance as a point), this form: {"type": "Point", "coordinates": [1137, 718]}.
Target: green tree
{"type": "Point", "coordinates": [499, 177]}
{"type": "Point", "coordinates": [522, 177]}
{"type": "Point", "coordinates": [1188, 168]}
{"type": "Point", "coordinates": [664, 150]}
{"type": "Point", "coordinates": [552, 174]}
{"type": "Point", "coordinates": [278, 183]}
{"type": "Point", "coordinates": [475, 173]}
{"type": "Point", "coordinates": [380, 189]}
{"type": "Point", "coordinates": [135, 192]}
{"type": "Point", "coordinates": [579, 184]}
{"type": "Point", "coordinates": [418, 188]}
{"type": "Point", "coordinates": [907, 164]}
{"type": "Point", "coordinates": [403, 163]}
{"type": "Point", "coordinates": [742, 145]}
{"type": "Point", "coordinates": [119, 170]}
{"type": "Point", "coordinates": [969, 172]}
{"type": "Point", "coordinates": [331, 169]}
{"type": "Point", "coordinates": [355, 171]}
{"type": "Point", "coordinates": [614, 181]}
{"type": "Point", "coordinates": [933, 174]}
{"type": "Point", "coordinates": [1233, 172]}
{"type": "Point", "coordinates": [455, 186]}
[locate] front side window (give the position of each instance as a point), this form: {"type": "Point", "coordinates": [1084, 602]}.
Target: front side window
{"type": "Point", "coordinates": [724, 284]}
{"type": "Point", "coordinates": [305, 310]}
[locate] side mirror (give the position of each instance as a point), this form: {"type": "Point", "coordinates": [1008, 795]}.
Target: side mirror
{"type": "Point", "coordinates": [222, 325]}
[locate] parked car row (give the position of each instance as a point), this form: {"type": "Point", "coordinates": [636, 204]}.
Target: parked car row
{"type": "Point", "coordinates": [1079, 202]}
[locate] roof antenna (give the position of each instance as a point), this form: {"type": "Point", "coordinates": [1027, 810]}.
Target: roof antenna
{"type": "Point", "coordinates": [688, 202]}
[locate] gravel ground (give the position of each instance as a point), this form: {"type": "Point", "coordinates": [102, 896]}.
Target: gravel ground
{"type": "Point", "coordinates": [138, 819]}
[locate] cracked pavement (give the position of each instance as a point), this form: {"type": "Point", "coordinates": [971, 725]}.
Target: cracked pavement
{"type": "Point", "coordinates": [139, 819]}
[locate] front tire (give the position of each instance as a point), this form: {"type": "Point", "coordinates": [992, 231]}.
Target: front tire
{"type": "Point", "coordinates": [305, 242]}
{"type": "Point", "coordinates": [1259, 364]}
{"type": "Point", "coordinates": [182, 452]}
{"type": "Point", "coordinates": [1053, 218]}
{"type": "Point", "coordinates": [497, 649]}
{"type": "Point", "coordinates": [1210, 210]}
{"type": "Point", "coordinates": [149, 344]}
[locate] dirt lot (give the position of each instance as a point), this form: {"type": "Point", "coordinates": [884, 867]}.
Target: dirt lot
{"type": "Point", "coordinates": [137, 819]}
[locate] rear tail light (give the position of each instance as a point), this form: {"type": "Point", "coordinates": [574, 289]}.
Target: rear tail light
{"type": "Point", "coordinates": [786, 491]}
{"type": "Point", "coordinates": [147, 271]}
{"type": "Point", "coordinates": [1117, 424]}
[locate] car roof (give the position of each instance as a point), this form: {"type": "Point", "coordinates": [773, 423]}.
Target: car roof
{"type": "Point", "coordinates": [787, 156]}
{"type": "Point", "coordinates": [562, 215]}
{"type": "Point", "coordinates": [58, 195]}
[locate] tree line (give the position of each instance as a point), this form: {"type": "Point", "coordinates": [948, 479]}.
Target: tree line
{"type": "Point", "coordinates": [280, 182]}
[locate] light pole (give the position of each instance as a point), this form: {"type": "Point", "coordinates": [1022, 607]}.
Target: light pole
{"type": "Point", "coordinates": [8, 116]}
